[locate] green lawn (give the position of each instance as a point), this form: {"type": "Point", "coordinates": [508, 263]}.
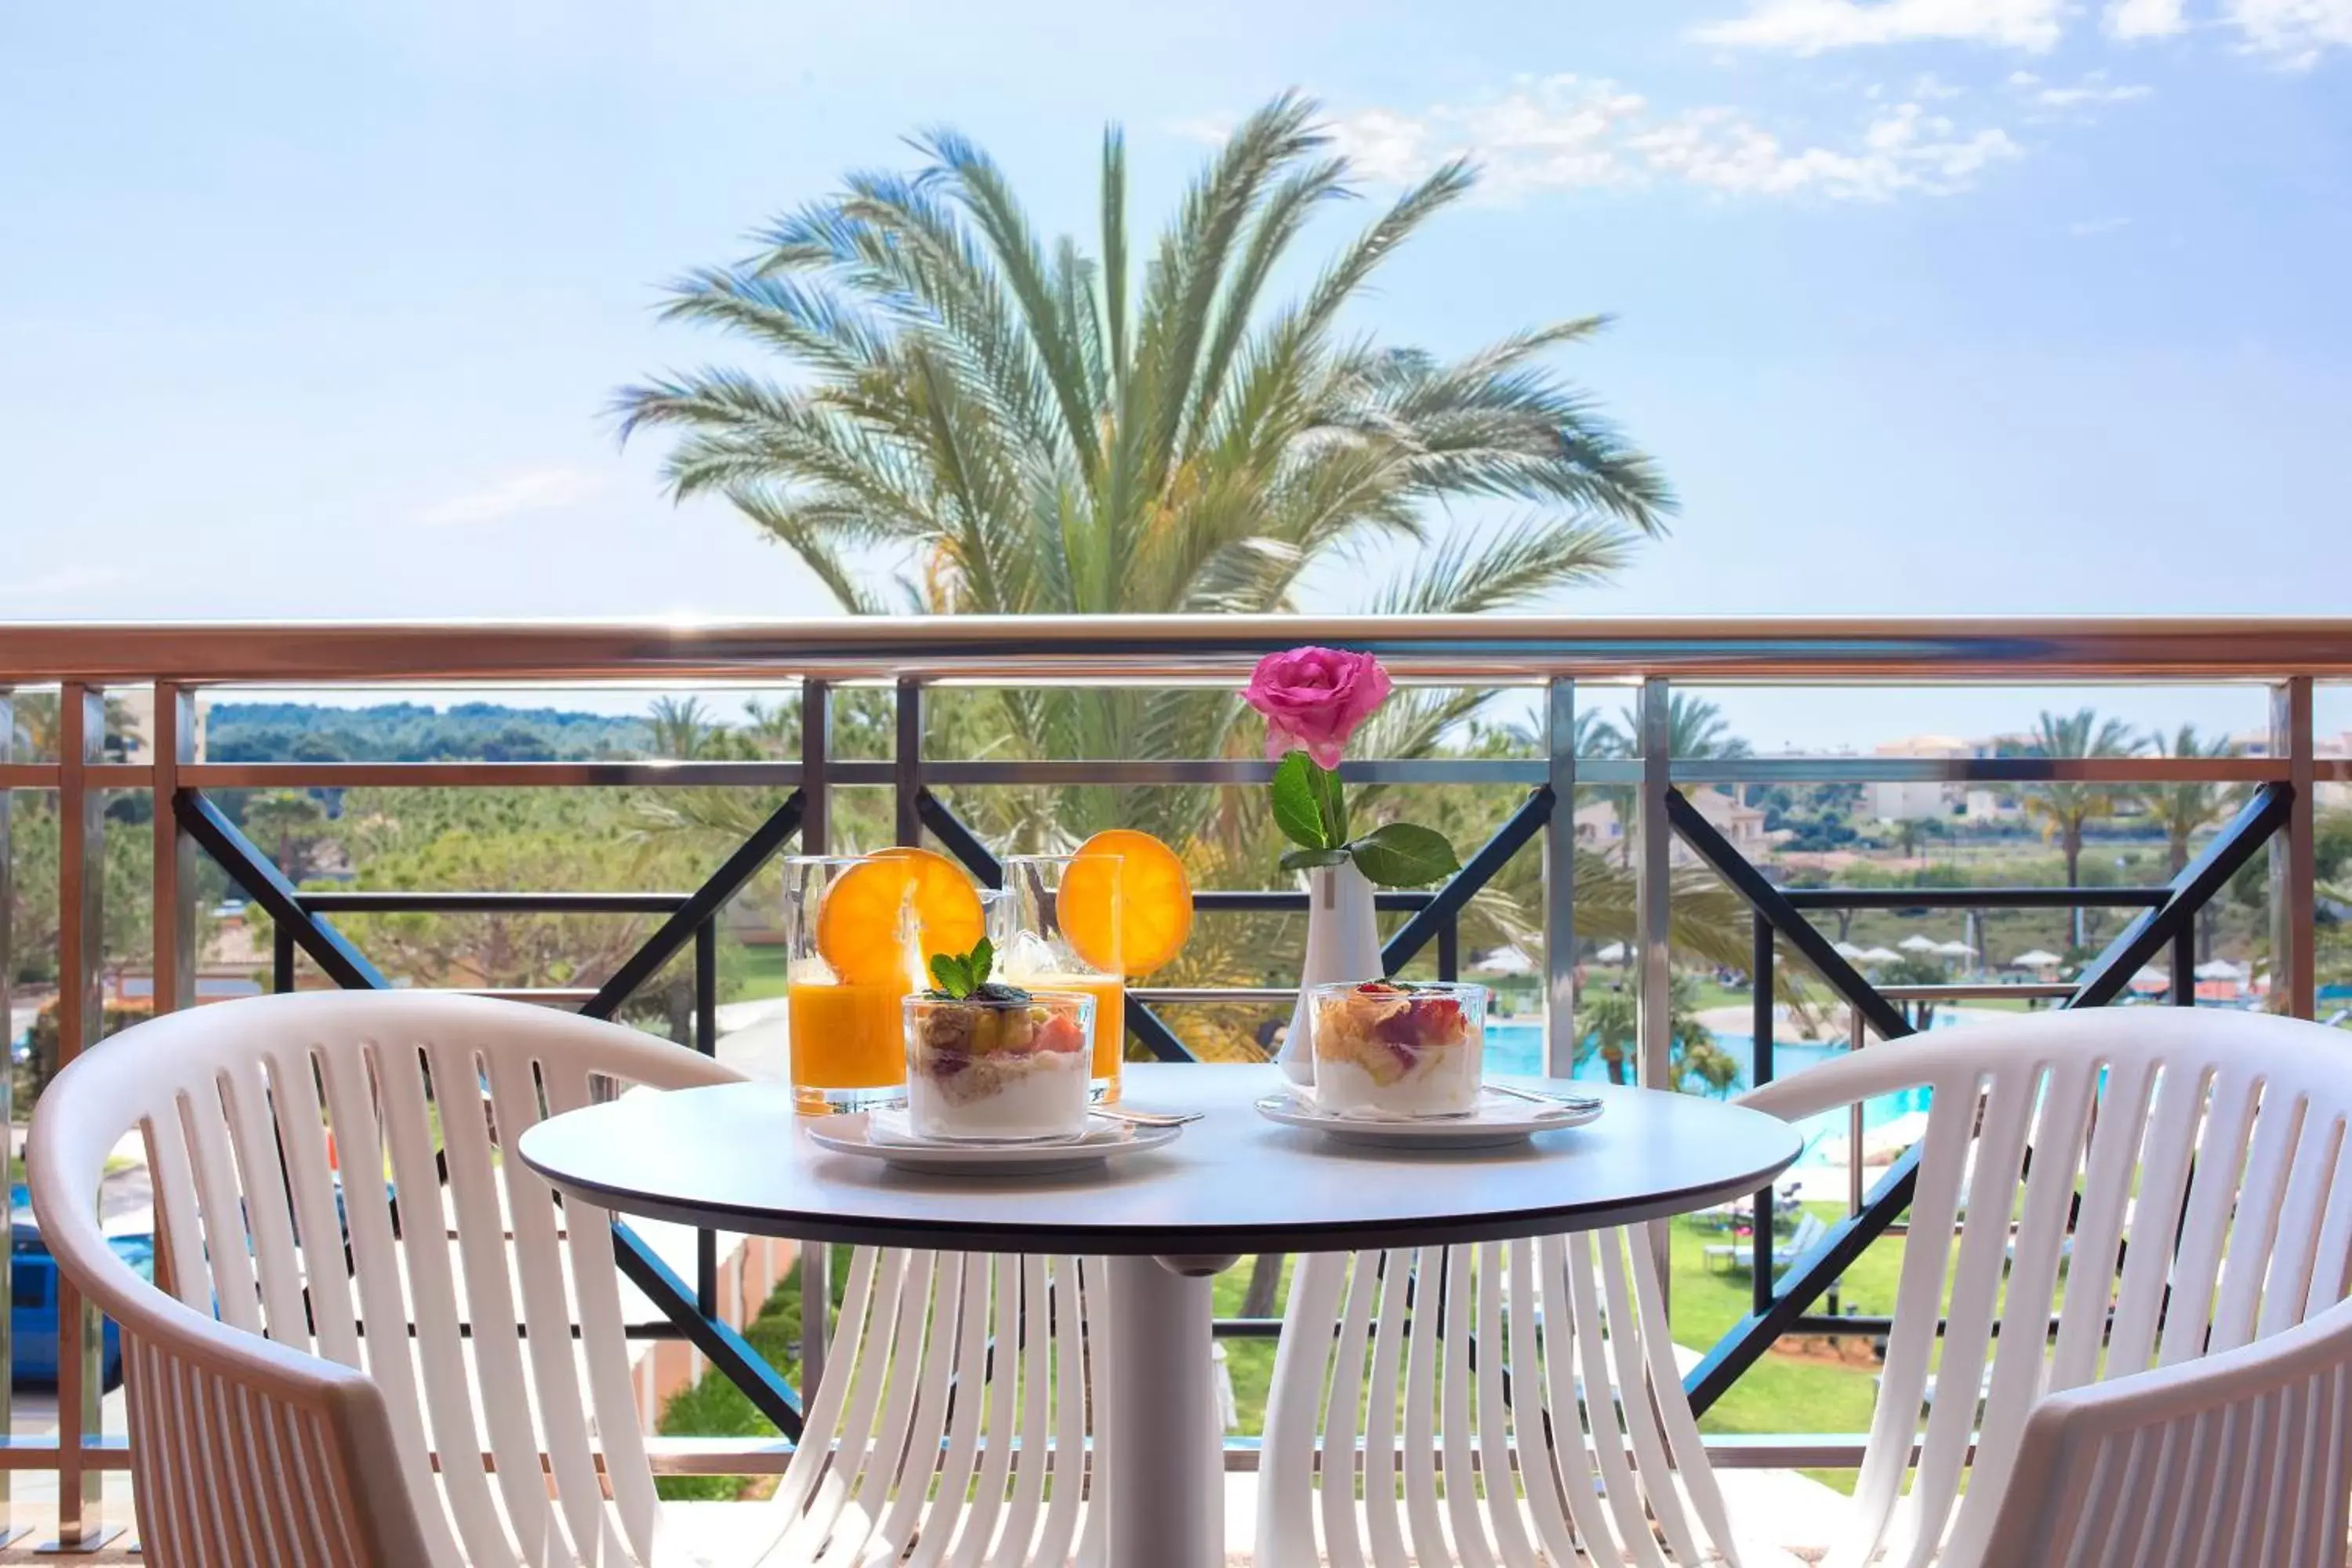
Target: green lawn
{"type": "Point", "coordinates": [1783, 1393]}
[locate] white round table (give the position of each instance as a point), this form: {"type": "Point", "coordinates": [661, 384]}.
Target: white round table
{"type": "Point", "coordinates": [731, 1158]}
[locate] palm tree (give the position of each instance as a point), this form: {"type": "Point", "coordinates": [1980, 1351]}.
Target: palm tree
{"type": "Point", "coordinates": [1037, 428]}
{"type": "Point", "coordinates": [2185, 809]}
{"type": "Point", "coordinates": [771, 729]}
{"type": "Point", "coordinates": [684, 729]}
{"type": "Point", "coordinates": [2065, 808]}
{"type": "Point", "coordinates": [1611, 1032]}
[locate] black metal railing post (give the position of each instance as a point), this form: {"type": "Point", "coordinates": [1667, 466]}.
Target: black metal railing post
{"type": "Point", "coordinates": [907, 764]}
{"type": "Point", "coordinates": [1760, 1023]}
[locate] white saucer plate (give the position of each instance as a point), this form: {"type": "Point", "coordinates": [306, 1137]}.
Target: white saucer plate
{"type": "Point", "coordinates": [1499, 1121]}
{"type": "Point", "coordinates": [860, 1135]}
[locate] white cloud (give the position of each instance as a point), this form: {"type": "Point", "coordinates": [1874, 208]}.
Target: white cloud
{"type": "Point", "coordinates": [1809, 26]}
{"type": "Point", "coordinates": [534, 489]}
{"type": "Point", "coordinates": [2091, 228]}
{"type": "Point", "coordinates": [1567, 132]}
{"type": "Point", "coordinates": [64, 583]}
{"type": "Point", "coordinates": [2294, 33]}
{"type": "Point", "coordinates": [2093, 88]}
{"type": "Point", "coordinates": [2146, 19]}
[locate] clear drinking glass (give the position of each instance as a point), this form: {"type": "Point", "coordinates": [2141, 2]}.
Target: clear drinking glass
{"type": "Point", "coordinates": [1033, 949]}
{"type": "Point", "coordinates": [845, 1031]}
{"type": "Point", "coordinates": [984, 1071]}
{"type": "Point", "coordinates": [1404, 1050]}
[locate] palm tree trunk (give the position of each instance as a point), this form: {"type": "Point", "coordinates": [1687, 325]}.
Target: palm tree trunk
{"type": "Point", "coordinates": [1265, 1276]}
{"type": "Point", "coordinates": [2069, 844]}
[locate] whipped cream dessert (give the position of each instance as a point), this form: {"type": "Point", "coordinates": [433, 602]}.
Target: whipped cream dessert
{"type": "Point", "coordinates": [1385, 1048]}
{"type": "Point", "coordinates": [1001, 1066]}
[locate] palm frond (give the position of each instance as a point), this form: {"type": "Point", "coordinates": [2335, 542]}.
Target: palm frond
{"type": "Point", "coordinates": [1512, 568]}
{"type": "Point", "coordinates": [1020, 260]}
{"type": "Point", "coordinates": [813, 533]}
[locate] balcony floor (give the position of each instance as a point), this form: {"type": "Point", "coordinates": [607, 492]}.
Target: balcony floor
{"type": "Point", "coordinates": [1758, 1501]}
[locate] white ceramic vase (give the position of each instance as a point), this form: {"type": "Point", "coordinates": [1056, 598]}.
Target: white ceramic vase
{"type": "Point", "coordinates": [1343, 942]}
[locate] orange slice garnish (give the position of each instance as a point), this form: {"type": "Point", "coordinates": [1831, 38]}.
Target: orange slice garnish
{"type": "Point", "coordinates": [1125, 904]}
{"type": "Point", "coordinates": [860, 930]}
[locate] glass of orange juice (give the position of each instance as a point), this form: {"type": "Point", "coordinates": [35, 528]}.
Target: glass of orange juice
{"type": "Point", "coordinates": [1037, 950]}
{"type": "Point", "coordinates": [858, 930]}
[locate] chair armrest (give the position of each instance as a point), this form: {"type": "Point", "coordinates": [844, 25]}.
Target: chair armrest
{"type": "Point", "coordinates": [2253, 1440]}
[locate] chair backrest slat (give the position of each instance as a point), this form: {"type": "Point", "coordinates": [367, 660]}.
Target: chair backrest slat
{"type": "Point", "coordinates": [1033, 1352]}
{"type": "Point", "coordinates": [1000, 1313]}
{"type": "Point", "coordinates": [566, 1083]}
{"type": "Point", "coordinates": [234, 1290]}
{"type": "Point", "coordinates": [320, 1202]}
{"type": "Point", "coordinates": [245, 1092]}
{"type": "Point", "coordinates": [555, 1373]}
{"type": "Point", "coordinates": [2294, 1262]}
{"type": "Point", "coordinates": [488, 1300]}
{"type": "Point", "coordinates": [1539, 1459]}
{"type": "Point", "coordinates": [964, 1399]}
{"type": "Point", "coordinates": [432, 1278]}
{"type": "Point", "coordinates": [1495, 1412]}
{"type": "Point", "coordinates": [1455, 1432]}
{"type": "Point", "coordinates": [363, 1153]}
{"type": "Point", "coordinates": [1058, 1535]}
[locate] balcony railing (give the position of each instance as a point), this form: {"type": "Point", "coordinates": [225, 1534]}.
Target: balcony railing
{"type": "Point", "coordinates": [1551, 660]}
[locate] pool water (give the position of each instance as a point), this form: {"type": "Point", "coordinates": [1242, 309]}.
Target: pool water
{"type": "Point", "coordinates": [1516, 1046]}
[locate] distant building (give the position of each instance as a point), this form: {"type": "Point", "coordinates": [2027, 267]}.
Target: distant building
{"type": "Point", "coordinates": [138, 723]}
{"type": "Point", "coordinates": [1598, 827]}
{"type": "Point", "coordinates": [1918, 800]}
{"type": "Point", "coordinates": [2332, 794]}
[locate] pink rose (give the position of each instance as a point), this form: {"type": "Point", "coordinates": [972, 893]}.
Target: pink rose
{"type": "Point", "coordinates": [1315, 698]}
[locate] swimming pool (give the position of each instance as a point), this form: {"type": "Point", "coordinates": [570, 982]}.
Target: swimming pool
{"type": "Point", "coordinates": [1516, 1046]}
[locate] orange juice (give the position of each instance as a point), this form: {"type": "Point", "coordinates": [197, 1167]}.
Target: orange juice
{"type": "Point", "coordinates": [845, 1036]}
{"type": "Point", "coordinates": [1109, 993]}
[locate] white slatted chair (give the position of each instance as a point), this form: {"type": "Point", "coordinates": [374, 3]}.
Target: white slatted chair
{"type": "Point", "coordinates": [2209, 1423]}
{"type": "Point", "coordinates": [273, 1421]}
{"type": "Point", "coordinates": [1390, 1442]}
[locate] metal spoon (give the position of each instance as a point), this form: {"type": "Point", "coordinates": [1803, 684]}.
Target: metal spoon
{"type": "Point", "coordinates": [1147, 1118]}
{"type": "Point", "coordinates": [1567, 1101]}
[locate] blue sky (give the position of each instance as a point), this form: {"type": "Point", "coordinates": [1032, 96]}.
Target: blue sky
{"type": "Point", "coordinates": [1945, 306]}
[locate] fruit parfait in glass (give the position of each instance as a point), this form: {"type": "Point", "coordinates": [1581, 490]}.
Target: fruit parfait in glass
{"type": "Point", "coordinates": [1392, 1048]}
{"type": "Point", "coordinates": [988, 1062]}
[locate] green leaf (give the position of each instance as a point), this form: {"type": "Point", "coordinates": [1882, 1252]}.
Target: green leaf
{"type": "Point", "coordinates": [1306, 859]}
{"type": "Point", "coordinates": [1331, 803]}
{"type": "Point", "coordinates": [1297, 802]}
{"type": "Point", "coordinates": [952, 973]}
{"type": "Point", "coordinates": [982, 959]}
{"type": "Point", "coordinates": [1403, 855]}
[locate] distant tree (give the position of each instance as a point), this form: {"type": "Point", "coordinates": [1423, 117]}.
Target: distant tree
{"type": "Point", "coordinates": [773, 729]}
{"type": "Point", "coordinates": [1910, 832]}
{"type": "Point", "coordinates": [1612, 1032]}
{"type": "Point", "coordinates": [2187, 807]}
{"type": "Point", "coordinates": [682, 730]}
{"type": "Point", "coordinates": [1917, 969]}
{"type": "Point", "coordinates": [290, 827]}
{"type": "Point", "coordinates": [517, 743]}
{"type": "Point", "coordinates": [2066, 807]}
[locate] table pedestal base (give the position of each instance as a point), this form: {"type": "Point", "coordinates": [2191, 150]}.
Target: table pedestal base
{"type": "Point", "coordinates": [1165, 1482]}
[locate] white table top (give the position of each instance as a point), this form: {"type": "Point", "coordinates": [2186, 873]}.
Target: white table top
{"type": "Point", "coordinates": [733, 1158]}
